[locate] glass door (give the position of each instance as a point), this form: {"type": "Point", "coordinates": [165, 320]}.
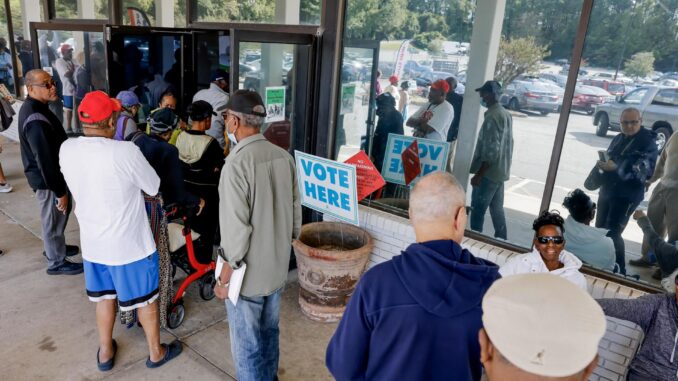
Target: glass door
{"type": "Point", "coordinates": [278, 68]}
{"type": "Point", "coordinates": [356, 109]}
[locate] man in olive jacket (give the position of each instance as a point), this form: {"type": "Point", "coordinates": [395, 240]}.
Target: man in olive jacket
{"type": "Point", "coordinates": [259, 215]}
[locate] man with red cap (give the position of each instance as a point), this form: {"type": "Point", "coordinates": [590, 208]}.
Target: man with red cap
{"type": "Point", "coordinates": [433, 120]}
{"type": "Point", "coordinates": [106, 178]}
{"type": "Point", "coordinates": [66, 68]}
{"type": "Point", "coordinates": [393, 89]}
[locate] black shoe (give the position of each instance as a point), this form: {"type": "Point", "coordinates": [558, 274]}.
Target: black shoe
{"type": "Point", "coordinates": [108, 365]}
{"type": "Point", "coordinates": [641, 262]}
{"type": "Point", "coordinates": [66, 268]}
{"type": "Point", "coordinates": [657, 274]}
{"type": "Point", "coordinates": [71, 250]}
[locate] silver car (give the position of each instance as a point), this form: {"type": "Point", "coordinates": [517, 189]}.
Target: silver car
{"type": "Point", "coordinates": [528, 95]}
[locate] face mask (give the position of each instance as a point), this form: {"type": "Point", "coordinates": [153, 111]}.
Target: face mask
{"type": "Point", "coordinates": [231, 136]}
{"type": "Point", "coordinates": [483, 103]}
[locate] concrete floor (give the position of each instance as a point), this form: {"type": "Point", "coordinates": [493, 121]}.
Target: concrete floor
{"type": "Point", "coordinates": [48, 330]}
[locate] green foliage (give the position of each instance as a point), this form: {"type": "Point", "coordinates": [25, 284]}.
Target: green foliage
{"type": "Point", "coordinates": [639, 65]}
{"type": "Point", "coordinates": [516, 57]}
{"type": "Point", "coordinates": [429, 41]}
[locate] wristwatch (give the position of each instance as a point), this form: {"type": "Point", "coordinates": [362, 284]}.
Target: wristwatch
{"type": "Point", "coordinates": [219, 284]}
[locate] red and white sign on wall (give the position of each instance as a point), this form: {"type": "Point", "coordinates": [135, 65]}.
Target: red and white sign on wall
{"type": "Point", "coordinates": [368, 177]}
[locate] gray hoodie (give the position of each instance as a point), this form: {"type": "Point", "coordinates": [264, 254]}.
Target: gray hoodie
{"type": "Point", "coordinates": [657, 315]}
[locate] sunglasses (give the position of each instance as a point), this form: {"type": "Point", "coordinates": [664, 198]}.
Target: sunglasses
{"type": "Point", "coordinates": [47, 85]}
{"type": "Point", "coordinates": [545, 240]}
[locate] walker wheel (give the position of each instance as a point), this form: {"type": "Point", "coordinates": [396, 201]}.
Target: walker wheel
{"type": "Point", "coordinates": [176, 315]}
{"type": "Point", "coordinates": [207, 283]}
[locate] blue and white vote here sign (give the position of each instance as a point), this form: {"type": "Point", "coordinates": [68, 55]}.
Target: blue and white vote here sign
{"type": "Point", "coordinates": [432, 156]}
{"type": "Point", "coordinates": [328, 186]}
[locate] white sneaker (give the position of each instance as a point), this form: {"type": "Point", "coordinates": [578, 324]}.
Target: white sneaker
{"type": "Point", "coordinates": [5, 188]}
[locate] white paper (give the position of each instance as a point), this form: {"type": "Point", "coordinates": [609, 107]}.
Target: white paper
{"type": "Point", "coordinates": [235, 283]}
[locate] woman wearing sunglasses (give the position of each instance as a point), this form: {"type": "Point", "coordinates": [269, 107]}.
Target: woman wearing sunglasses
{"type": "Point", "coordinates": [547, 254]}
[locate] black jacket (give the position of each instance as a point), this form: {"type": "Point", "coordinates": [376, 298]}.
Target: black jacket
{"type": "Point", "coordinates": [40, 143]}
{"type": "Point", "coordinates": [635, 157]}
{"type": "Point", "coordinates": [390, 122]}
{"type": "Point", "coordinates": [456, 101]}
{"type": "Point", "coordinates": [164, 158]}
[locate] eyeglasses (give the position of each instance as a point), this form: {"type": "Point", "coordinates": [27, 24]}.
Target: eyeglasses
{"type": "Point", "coordinates": [47, 85]}
{"type": "Point", "coordinates": [545, 240]}
{"type": "Point", "coordinates": [630, 122]}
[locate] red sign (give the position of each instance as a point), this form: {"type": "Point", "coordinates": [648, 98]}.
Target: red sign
{"type": "Point", "coordinates": [279, 133]}
{"type": "Point", "coordinates": [411, 165]}
{"type": "Point", "coordinates": [368, 177]}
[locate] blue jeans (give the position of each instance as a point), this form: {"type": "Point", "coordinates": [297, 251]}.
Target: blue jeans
{"type": "Point", "coordinates": [488, 194]}
{"type": "Point", "coordinates": [253, 325]}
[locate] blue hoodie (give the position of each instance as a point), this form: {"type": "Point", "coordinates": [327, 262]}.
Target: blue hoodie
{"type": "Point", "coordinates": [415, 317]}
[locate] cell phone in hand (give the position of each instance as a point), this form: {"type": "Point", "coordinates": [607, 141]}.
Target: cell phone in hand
{"type": "Point", "coordinates": [603, 156]}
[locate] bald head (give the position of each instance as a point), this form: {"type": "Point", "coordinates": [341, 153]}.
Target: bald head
{"type": "Point", "coordinates": [437, 201]}
{"type": "Point", "coordinates": [40, 86]}
{"type": "Point", "coordinates": [36, 76]}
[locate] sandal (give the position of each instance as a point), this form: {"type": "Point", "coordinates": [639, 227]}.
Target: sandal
{"type": "Point", "coordinates": [108, 365]}
{"type": "Point", "coordinates": [172, 350]}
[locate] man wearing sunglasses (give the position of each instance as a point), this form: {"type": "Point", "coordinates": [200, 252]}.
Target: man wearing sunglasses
{"type": "Point", "coordinates": [656, 314]}
{"type": "Point", "coordinates": [548, 254]}
{"type": "Point", "coordinates": [41, 136]}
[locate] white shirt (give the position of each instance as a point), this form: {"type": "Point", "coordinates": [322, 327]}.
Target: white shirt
{"type": "Point", "coordinates": [533, 263]}
{"type": "Point", "coordinates": [443, 114]}
{"type": "Point", "coordinates": [106, 178]}
{"type": "Point", "coordinates": [218, 98]}
{"type": "Point", "coordinates": [396, 94]}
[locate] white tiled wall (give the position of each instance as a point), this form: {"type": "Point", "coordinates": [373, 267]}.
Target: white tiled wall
{"type": "Point", "coordinates": [392, 234]}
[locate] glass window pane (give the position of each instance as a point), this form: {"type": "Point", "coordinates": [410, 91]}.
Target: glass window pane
{"type": "Point", "coordinates": [294, 12]}
{"type": "Point", "coordinates": [7, 48]}
{"type": "Point", "coordinates": [628, 71]}
{"type": "Point", "coordinates": [81, 9]}
{"type": "Point", "coordinates": [138, 13]}
{"type": "Point", "coordinates": [277, 72]}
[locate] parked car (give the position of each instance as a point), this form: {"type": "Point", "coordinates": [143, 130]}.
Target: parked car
{"type": "Point", "coordinates": [426, 79]}
{"type": "Point", "coordinates": [586, 98]}
{"type": "Point", "coordinates": [558, 79]}
{"type": "Point", "coordinates": [526, 95]}
{"type": "Point", "coordinates": [612, 87]}
{"type": "Point", "coordinates": [658, 106]}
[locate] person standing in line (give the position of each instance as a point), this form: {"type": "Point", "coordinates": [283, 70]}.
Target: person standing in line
{"type": "Point", "coordinates": [259, 216]}
{"type": "Point", "coordinates": [66, 69]}
{"type": "Point", "coordinates": [433, 120]}
{"type": "Point", "coordinates": [125, 125]}
{"type": "Point", "coordinates": [491, 163]}
{"type": "Point", "coordinates": [417, 316]}
{"type": "Point", "coordinates": [392, 88]}
{"type": "Point", "coordinates": [40, 138]}
{"type": "Point", "coordinates": [540, 327]}
{"type": "Point", "coordinates": [632, 156]}
{"type": "Point", "coordinates": [119, 253]}
{"type": "Point", "coordinates": [662, 209]}
{"type": "Point", "coordinates": [457, 101]}
{"type": "Point", "coordinates": [404, 103]}
{"type": "Point", "coordinates": [216, 95]}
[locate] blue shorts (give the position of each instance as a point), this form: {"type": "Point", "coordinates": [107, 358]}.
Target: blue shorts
{"type": "Point", "coordinates": [68, 102]}
{"type": "Point", "coordinates": [134, 284]}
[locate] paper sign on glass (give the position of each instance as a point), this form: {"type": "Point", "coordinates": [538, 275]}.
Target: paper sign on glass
{"type": "Point", "coordinates": [368, 177]}
{"type": "Point", "coordinates": [411, 164]}
{"type": "Point", "coordinates": [432, 157]}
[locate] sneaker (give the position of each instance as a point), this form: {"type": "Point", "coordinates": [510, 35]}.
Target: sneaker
{"type": "Point", "coordinates": [71, 250]}
{"type": "Point", "coordinates": [641, 262]}
{"type": "Point", "coordinates": [5, 188]}
{"type": "Point", "coordinates": [66, 268]}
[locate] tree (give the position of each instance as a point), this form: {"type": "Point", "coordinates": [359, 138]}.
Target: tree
{"type": "Point", "coordinates": [639, 65]}
{"type": "Point", "coordinates": [516, 57]}
{"type": "Point", "coordinates": [429, 41]}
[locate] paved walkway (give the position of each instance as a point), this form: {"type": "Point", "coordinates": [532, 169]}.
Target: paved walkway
{"type": "Point", "coordinates": [48, 330]}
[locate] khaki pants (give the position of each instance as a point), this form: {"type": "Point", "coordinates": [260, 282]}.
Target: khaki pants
{"type": "Point", "coordinates": [662, 211]}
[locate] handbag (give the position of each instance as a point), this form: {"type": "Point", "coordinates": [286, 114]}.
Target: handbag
{"type": "Point", "coordinates": [595, 179]}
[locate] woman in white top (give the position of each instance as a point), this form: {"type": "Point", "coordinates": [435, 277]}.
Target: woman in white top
{"type": "Point", "coordinates": [548, 254]}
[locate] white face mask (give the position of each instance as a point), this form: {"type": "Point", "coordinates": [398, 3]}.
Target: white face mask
{"type": "Point", "coordinates": [231, 136]}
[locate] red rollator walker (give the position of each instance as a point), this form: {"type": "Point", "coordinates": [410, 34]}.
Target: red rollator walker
{"type": "Point", "coordinates": [183, 256]}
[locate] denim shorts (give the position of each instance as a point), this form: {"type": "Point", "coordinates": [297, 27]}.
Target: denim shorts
{"type": "Point", "coordinates": [134, 284]}
{"type": "Point", "coordinates": [68, 102]}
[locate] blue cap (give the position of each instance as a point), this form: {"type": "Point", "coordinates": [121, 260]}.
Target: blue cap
{"type": "Point", "coordinates": [128, 98]}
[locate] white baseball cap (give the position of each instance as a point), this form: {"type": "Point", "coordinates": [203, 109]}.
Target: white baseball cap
{"type": "Point", "coordinates": [543, 324]}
